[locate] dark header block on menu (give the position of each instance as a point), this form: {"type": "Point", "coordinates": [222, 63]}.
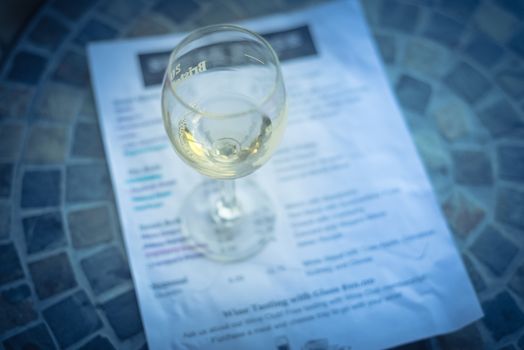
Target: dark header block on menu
{"type": "Point", "coordinates": [288, 44]}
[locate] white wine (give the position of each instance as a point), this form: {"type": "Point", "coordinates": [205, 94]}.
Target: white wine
{"type": "Point", "coordinates": [224, 110]}
{"type": "Point", "coordinates": [231, 146]}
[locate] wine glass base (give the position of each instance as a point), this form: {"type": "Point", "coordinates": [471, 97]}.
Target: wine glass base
{"type": "Point", "coordinates": [224, 238]}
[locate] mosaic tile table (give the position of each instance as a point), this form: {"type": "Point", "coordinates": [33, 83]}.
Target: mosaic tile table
{"type": "Point", "coordinates": [457, 67]}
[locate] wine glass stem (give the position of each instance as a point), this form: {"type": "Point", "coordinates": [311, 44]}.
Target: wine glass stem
{"type": "Point", "coordinates": [227, 208]}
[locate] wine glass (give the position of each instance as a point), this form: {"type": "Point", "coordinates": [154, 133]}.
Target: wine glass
{"type": "Point", "coordinates": [224, 110]}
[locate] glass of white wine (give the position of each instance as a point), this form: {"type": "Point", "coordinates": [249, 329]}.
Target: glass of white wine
{"type": "Point", "coordinates": [224, 110]}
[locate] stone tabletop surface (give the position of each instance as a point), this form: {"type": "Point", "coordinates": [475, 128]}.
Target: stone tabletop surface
{"type": "Point", "coordinates": [456, 66]}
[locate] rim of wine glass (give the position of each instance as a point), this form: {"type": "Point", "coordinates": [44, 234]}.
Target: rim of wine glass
{"type": "Point", "coordinates": [215, 28]}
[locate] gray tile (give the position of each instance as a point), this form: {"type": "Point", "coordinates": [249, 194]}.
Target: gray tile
{"type": "Point", "coordinates": [43, 232]}
{"type": "Point", "coordinates": [122, 10]}
{"type": "Point", "coordinates": [10, 268]}
{"type": "Point", "coordinates": [123, 315]}
{"type": "Point", "coordinates": [502, 316]}
{"type": "Point", "coordinates": [58, 102]}
{"type": "Point", "coordinates": [509, 208]}
{"type": "Point", "coordinates": [413, 94]}
{"type": "Point", "coordinates": [397, 15]}
{"type": "Point", "coordinates": [14, 100]}
{"type": "Point", "coordinates": [46, 145]}
{"type": "Point", "coordinates": [467, 82]}
{"type": "Point", "coordinates": [90, 227]}
{"type": "Point", "coordinates": [472, 168]}
{"type": "Point", "coordinates": [41, 188]}
{"type": "Point", "coordinates": [87, 141]}
{"type": "Point", "coordinates": [34, 338]}
{"type": "Point", "coordinates": [52, 275]}
{"type": "Point", "coordinates": [495, 22]}
{"type": "Point", "coordinates": [178, 11]}
{"type": "Point", "coordinates": [72, 319]}
{"type": "Point", "coordinates": [105, 270]}
{"type": "Point", "coordinates": [72, 69]}
{"type": "Point", "coordinates": [493, 250]}
{"type": "Point", "coordinates": [87, 182]}
{"type": "Point", "coordinates": [16, 307]}
{"type": "Point", "coordinates": [10, 141]}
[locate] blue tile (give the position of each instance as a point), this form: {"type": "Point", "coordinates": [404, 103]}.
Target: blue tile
{"type": "Point", "coordinates": [444, 30]}
{"type": "Point", "coordinates": [178, 11]}
{"type": "Point", "coordinates": [87, 141]}
{"type": "Point", "coordinates": [105, 270]}
{"type": "Point", "coordinates": [6, 179]}
{"type": "Point", "coordinates": [502, 316]}
{"type": "Point", "coordinates": [52, 275]}
{"type": "Point", "coordinates": [95, 30]}
{"type": "Point", "coordinates": [43, 232]}
{"type": "Point", "coordinates": [466, 338]}
{"type": "Point", "coordinates": [40, 188]}
{"type": "Point", "coordinates": [467, 82]}
{"type": "Point", "coordinates": [34, 338]}
{"type": "Point", "coordinates": [98, 343]}
{"type": "Point", "coordinates": [10, 268]}
{"type": "Point", "coordinates": [48, 33]}
{"type": "Point", "coordinates": [397, 15]}
{"type": "Point", "coordinates": [27, 68]}
{"type": "Point", "coordinates": [511, 162]}
{"type": "Point", "coordinates": [472, 168]}
{"type": "Point", "coordinates": [418, 345]}
{"type": "Point", "coordinates": [517, 43]}
{"type": "Point", "coordinates": [515, 7]}
{"type": "Point", "coordinates": [122, 314]}
{"type": "Point", "coordinates": [72, 69]}
{"type": "Point", "coordinates": [122, 10]}
{"type": "Point", "coordinates": [461, 9]}
{"type": "Point", "coordinates": [413, 94]}
{"type": "Point", "coordinates": [502, 120]}
{"type": "Point", "coordinates": [72, 319]}
{"type": "Point", "coordinates": [16, 307]}
{"type": "Point", "coordinates": [5, 220]}
{"type": "Point", "coordinates": [517, 282]}
{"type": "Point", "coordinates": [73, 9]}
{"type": "Point", "coordinates": [474, 276]}
{"type": "Point", "coordinates": [386, 45]}
{"type": "Point", "coordinates": [509, 208]}
{"type": "Point", "coordinates": [494, 251]}
{"type": "Point", "coordinates": [87, 182]}
{"type": "Point", "coordinates": [484, 50]}
{"type": "Point", "coordinates": [512, 82]}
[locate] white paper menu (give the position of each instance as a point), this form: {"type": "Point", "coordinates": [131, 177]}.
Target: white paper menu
{"type": "Point", "coordinates": [362, 257]}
